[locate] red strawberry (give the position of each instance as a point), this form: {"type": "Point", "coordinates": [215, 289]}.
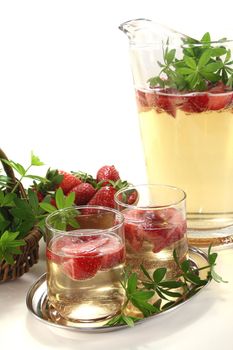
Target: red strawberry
{"type": "Point", "coordinates": [113, 253]}
{"type": "Point", "coordinates": [167, 103]}
{"type": "Point", "coordinates": [53, 202]}
{"type": "Point", "coordinates": [163, 227]}
{"type": "Point", "coordinates": [56, 246]}
{"type": "Point", "coordinates": [68, 182]}
{"type": "Point", "coordinates": [133, 197]}
{"type": "Point", "coordinates": [141, 100]}
{"type": "Point", "coordinates": [107, 172]}
{"type": "Point", "coordinates": [79, 258]}
{"type": "Point", "coordinates": [82, 267]}
{"type": "Point", "coordinates": [219, 97]}
{"type": "Point", "coordinates": [219, 101]}
{"type": "Point", "coordinates": [39, 196]}
{"type": "Point", "coordinates": [167, 100]}
{"type": "Point", "coordinates": [83, 193]}
{"type": "Point", "coordinates": [133, 236]}
{"type": "Point", "coordinates": [196, 103]}
{"type": "Point", "coordinates": [104, 197]}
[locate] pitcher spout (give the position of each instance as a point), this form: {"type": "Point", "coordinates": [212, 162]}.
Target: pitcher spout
{"type": "Point", "coordinates": [130, 28]}
{"type": "Point", "coordinates": [144, 31]}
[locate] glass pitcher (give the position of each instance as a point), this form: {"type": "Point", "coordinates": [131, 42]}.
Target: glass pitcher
{"type": "Point", "coordinates": [184, 93]}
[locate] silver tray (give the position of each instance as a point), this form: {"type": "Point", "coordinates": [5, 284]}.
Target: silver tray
{"type": "Point", "coordinates": [38, 304]}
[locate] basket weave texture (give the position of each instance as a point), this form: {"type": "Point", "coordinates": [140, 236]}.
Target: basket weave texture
{"type": "Point", "coordinates": [30, 251]}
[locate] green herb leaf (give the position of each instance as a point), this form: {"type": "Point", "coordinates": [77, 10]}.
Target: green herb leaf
{"type": "Point", "coordinates": [9, 246]}
{"type": "Point", "coordinates": [60, 199]}
{"type": "Point", "coordinates": [187, 280]}
{"type": "Point", "coordinates": [185, 266]}
{"type": "Point", "coordinates": [171, 284]}
{"type": "Point", "coordinates": [190, 62]}
{"type": "Point", "coordinates": [202, 64]}
{"type": "Point", "coordinates": [159, 274]}
{"type": "Point", "coordinates": [212, 258]}
{"type": "Point", "coordinates": [143, 295]}
{"type": "Point", "coordinates": [132, 283]}
{"type": "Point", "coordinates": [206, 38]}
{"type": "Point", "coordinates": [170, 55]}
{"type": "Point", "coordinates": [218, 51]}
{"type": "Point", "coordinates": [49, 208]}
{"type": "Point", "coordinates": [213, 67]}
{"type": "Point", "coordinates": [185, 71]}
{"type": "Point", "coordinates": [216, 277]}
{"type": "Point", "coordinates": [204, 59]}
{"type": "Point", "coordinates": [33, 200]}
{"type": "Point", "coordinates": [73, 222]}
{"type": "Point", "coordinates": [145, 272]}
{"type": "Point", "coordinates": [16, 166]}
{"type": "Point", "coordinates": [36, 177]}
{"type": "Point", "coordinates": [35, 160]}
{"type": "Point", "coordinates": [128, 320]}
{"type": "Point", "coordinates": [69, 200]}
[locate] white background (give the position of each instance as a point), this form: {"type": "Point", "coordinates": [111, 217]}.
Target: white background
{"type": "Point", "coordinates": [66, 89]}
{"type": "Point", "coordinates": [66, 92]}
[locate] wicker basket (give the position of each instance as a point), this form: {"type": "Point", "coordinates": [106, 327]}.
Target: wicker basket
{"type": "Point", "coordinates": [30, 251]}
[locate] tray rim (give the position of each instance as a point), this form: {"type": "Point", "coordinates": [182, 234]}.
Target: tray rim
{"type": "Point", "coordinates": [102, 329]}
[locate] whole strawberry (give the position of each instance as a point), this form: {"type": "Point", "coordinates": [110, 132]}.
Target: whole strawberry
{"type": "Point", "coordinates": [107, 172]}
{"type": "Point", "coordinates": [104, 197]}
{"type": "Point", "coordinates": [69, 181]}
{"type": "Point", "coordinates": [83, 193]}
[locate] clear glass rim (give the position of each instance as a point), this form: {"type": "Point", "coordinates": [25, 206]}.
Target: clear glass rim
{"type": "Point", "coordinates": [181, 94]}
{"type": "Point", "coordinates": [157, 207]}
{"type": "Point", "coordinates": [75, 232]}
{"type": "Point", "coordinates": [130, 27]}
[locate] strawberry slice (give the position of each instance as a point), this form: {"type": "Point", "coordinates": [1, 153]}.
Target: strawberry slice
{"type": "Point", "coordinates": [165, 100]}
{"type": "Point", "coordinates": [163, 227]}
{"type": "Point", "coordinates": [78, 257]}
{"type": "Point", "coordinates": [113, 253]}
{"type": "Point", "coordinates": [82, 257]}
{"type": "Point", "coordinates": [196, 103]}
{"type": "Point", "coordinates": [141, 99]}
{"type": "Point", "coordinates": [82, 267]}
{"type": "Point", "coordinates": [133, 236]}
{"type": "Point", "coordinates": [219, 97]}
{"type": "Point", "coordinates": [165, 103]}
{"type": "Point", "coordinates": [53, 252]}
{"type": "Point", "coordinates": [217, 102]}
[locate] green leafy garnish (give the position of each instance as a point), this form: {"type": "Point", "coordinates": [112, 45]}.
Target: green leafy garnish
{"type": "Point", "coordinates": [64, 218]}
{"type": "Point", "coordinates": [10, 246]}
{"type": "Point", "coordinates": [154, 293]}
{"type": "Point", "coordinates": [203, 65]}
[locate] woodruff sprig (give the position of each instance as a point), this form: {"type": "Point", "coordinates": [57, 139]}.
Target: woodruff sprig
{"type": "Point", "coordinates": [203, 65]}
{"type": "Point", "coordinates": [140, 292]}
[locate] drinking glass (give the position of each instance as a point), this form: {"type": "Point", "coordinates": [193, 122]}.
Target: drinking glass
{"type": "Point", "coordinates": [85, 255]}
{"type": "Point", "coordinates": [155, 226]}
